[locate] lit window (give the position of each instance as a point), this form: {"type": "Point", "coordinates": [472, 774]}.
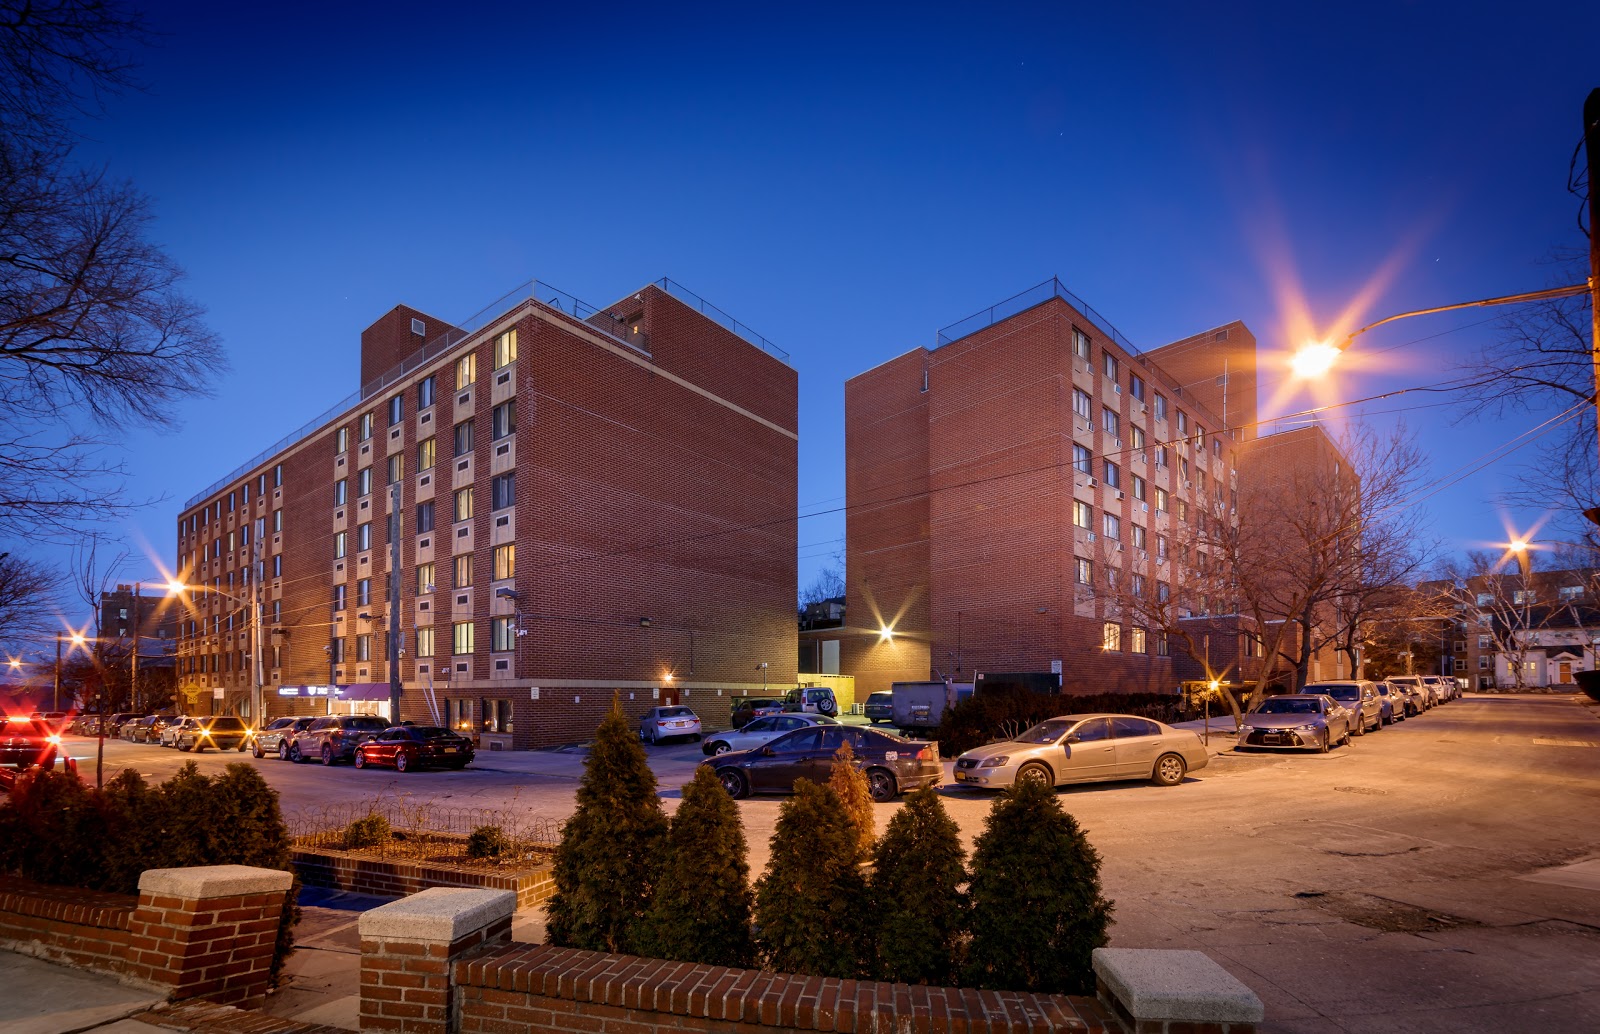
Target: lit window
{"type": "Point", "coordinates": [466, 370]}
{"type": "Point", "coordinates": [462, 570]}
{"type": "Point", "coordinates": [461, 638]}
{"type": "Point", "coordinates": [505, 561]}
{"type": "Point", "coordinates": [503, 632]}
{"type": "Point", "coordinates": [1082, 514]}
{"type": "Point", "coordinates": [505, 349]}
{"type": "Point", "coordinates": [1161, 500]}
{"type": "Point", "coordinates": [397, 467]}
{"type": "Point", "coordinates": [425, 581]}
{"type": "Point", "coordinates": [1085, 571]}
{"type": "Point", "coordinates": [1111, 637]}
{"type": "Point", "coordinates": [463, 504]}
{"type": "Point", "coordinates": [1136, 643]}
{"type": "Point", "coordinates": [426, 451]}
{"type": "Point", "coordinates": [425, 641]}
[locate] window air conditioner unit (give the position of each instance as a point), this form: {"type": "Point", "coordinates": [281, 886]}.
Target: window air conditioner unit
{"type": "Point", "coordinates": [1118, 441]}
{"type": "Point", "coordinates": [1117, 388]}
{"type": "Point", "coordinates": [1160, 560]}
{"type": "Point", "coordinates": [1120, 496]}
{"type": "Point", "coordinates": [1144, 507]}
{"type": "Point", "coordinates": [1093, 483]}
{"type": "Point", "coordinates": [1119, 547]}
{"type": "Point", "coordinates": [1091, 536]}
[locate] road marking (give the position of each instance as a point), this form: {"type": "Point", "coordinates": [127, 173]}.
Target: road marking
{"type": "Point", "coordinates": [1541, 741]}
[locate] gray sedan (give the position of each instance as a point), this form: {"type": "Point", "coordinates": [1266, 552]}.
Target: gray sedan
{"type": "Point", "coordinates": [761, 730]}
{"type": "Point", "coordinates": [1311, 721]}
{"type": "Point", "coordinates": [663, 723]}
{"type": "Point", "coordinates": [1086, 748]}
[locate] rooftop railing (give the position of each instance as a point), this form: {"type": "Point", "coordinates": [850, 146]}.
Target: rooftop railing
{"type": "Point", "coordinates": [716, 315]}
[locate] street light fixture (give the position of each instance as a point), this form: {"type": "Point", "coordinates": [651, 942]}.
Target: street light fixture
{"type": "Point", "coordinates": [177, 588]}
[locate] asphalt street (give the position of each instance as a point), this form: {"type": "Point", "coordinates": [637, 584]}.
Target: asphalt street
{"type": "Point", "coordinates": [1429, 877]}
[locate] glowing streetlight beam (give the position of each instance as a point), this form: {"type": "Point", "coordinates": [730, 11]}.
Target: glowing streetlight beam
{"type": "Point", "coordinates": [1313, 360]}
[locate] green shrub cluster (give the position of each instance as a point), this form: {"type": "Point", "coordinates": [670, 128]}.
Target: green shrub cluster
{"type": "Point", "coordinates": [56, 830]}
{"type": "Point", "coordinates": [833, 901]}
{"type": "Point", "coordinates": [367, 831]}
{"type": "Point", "coordinates": [988, 717]}
{"type": "Point", "coordinates": [488, 842]}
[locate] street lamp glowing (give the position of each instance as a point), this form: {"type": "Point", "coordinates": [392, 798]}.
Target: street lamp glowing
{"type": "Point", "coordinates": [1519, 546]}
{"type": "Point", "coordinates": [885, 634]}
{"type": "Point", "coordinates": [77, 639]}
{"type": "Point", "coordinates": [1313, 359]}
{"type": "Point", "coordinates": [175, 587]}
{"type": "Point", "coordinates": [1215, 685]}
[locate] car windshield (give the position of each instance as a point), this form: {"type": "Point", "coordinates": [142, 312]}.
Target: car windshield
{"type": "Point", "coordinates": [433, 732]}
{"type": "Point", "coordinates": [676, 712]}
{"type": "Point", "coordinates": [1046, 732]}
{"type": "Point", "coordinates": [1283, 706]}
{"type": "Point", "coordinates": [1345, 692]}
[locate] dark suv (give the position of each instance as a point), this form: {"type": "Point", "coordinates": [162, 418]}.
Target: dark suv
{"type": "Point", "coordinates": [334, 738]}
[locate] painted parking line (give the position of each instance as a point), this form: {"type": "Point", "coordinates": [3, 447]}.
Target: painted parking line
{"type": "Point", "coordinates": [1544, 741]}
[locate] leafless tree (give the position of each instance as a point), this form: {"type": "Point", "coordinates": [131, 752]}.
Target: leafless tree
{"type": "Point", "coordinates": [828, 583]}
{"type": "Point", "coordinates": [1511, 601]}
{"type": "Point", "coordinates": [28, 598]}
{"type": "Point", "coordinates": [94, 331]}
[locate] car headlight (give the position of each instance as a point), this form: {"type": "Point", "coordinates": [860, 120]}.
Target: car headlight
{"type": "Point", "coordinates": [1308, 727]}
{"type": "Point", "coordinates": [994, 762]}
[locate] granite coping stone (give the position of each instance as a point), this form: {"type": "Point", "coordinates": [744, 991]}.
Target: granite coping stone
{"type": "Point", "coordinates": [213, 881]}
{"type": "Point", "coordinates": [438, 914]}
{"type": "Point", "coordinates": [1165, 984]}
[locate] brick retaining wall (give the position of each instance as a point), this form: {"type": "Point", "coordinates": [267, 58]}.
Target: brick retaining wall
{"type": "Point", "coordinates": [397, 877]}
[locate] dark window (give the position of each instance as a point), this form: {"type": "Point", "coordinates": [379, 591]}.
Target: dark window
{"type": "Point", "coordinates": [503, 490]}
{"type": "Point", "coordinates": [1093, 729]}
{"type": "Point", "coordinates": [424, 517]}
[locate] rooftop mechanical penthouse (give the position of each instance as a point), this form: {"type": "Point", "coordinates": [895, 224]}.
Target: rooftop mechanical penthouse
{"type": "Point", "coordinates": [590, 502]}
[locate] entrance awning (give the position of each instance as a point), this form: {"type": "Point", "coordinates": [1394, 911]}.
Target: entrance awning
{"type": "Point", "coordinates": [348, 691]}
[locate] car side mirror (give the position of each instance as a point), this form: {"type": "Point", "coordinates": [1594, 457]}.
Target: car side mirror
{"type": "Point", "coordinates": [1074, 738]}
{"type": "Point", "coordinates": [768, 752]}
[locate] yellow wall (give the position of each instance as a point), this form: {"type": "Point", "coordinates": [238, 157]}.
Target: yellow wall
{"type": "Point", "coordinates": [843, 686]}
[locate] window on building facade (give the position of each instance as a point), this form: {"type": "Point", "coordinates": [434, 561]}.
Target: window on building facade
{"type": "Point", "coordinates": [340, 544]}
{"type": "Point", "coordinates": [397, 467]}
{"type": "Point", "coordinates": [1082, 459]}
{"type": "Point", "coordinates": [426, 453]}
{"type": "Point", "coordinates": [1483, 642]}
{"type": "Point", "coordinates": [1136, 389]}
{"type": "Point", "coordinates": [504, 419]}
{"type": "Point", "coordinates": [425, 641]}
{"type": "Point", "coordinates": [461, 638]}
{"type": "Point", "coordinates": [1082, 514]}
{"type": "Point", "coordinates": [502, 634]}
{"type": "Point", "coordinates": [463, 503]}
{"type": "Point", "coordinates": [425, 391]}
{"type": "Point", "coordinates": [461, 570]}
{"type": "Point", "coordinates": [464, 438]}
{"type": "Point", "coordinates": [364, 427]}
{"type": "Point", "coordinates": [1484, 599]}
{"type": "Point", "coordinates": [425, 517]}
{"type": "Point", "coordinates": [1111, 637]}
{"type": "Point", "coordinates": [1483, 662]}
{"type": "Point", "coordinates": [397, 409]}
{"type": "Point", "coordinates": [1163, 457]}
{"type": "Point", "coordinates": [1081, 403]}
{"type": "Point", "coordinates": [1080, 344]}
{"type": "Point", "coordinates": [1522, 596]}
{"type": "Point", "coordinates": [1163, 592]}
{"type": "Point", "coordinates": [340, 488]}
{"type": "Point", "coordinates": [1138, 487]}
{"type": "Point", "coordinates": [341, 440]}
{"type": "Point", "coordinates": [1162, 500]}
{"type": "Point", "coordinates": [338, 597]}
{"type": "Point", "coordinates": [363, 592]}
{"type": "Point", "coordinates": [425, 581]}
{"type": "Point", "coordinates": [466, 370]}
{"type": "Point", "coordinates": [364, 647]}
{"type": "Point", "coordinates": [1162, 649]}
{"type": "Point", "coordinates": [1085, 571]}
{"type": "Point", "coordinates": [1136, 640]}
{"type": "Point", "coordinates": [1199, 438]}
{"type": "Point", "coordinates": [277, 565]}
{"type": "Point", "coordinates": [1570, 592]}
{"type": "Point", "coordinates": [1183, 424]}
{"type": "Point", "coordinates": [364, 481]}
{"type": "Point", "coordinates": [505, 561]}
{"type": "Point", "coordinates": [503, 490]}
{"type": "Point", "coordinates": [505, 349]}
{"type": "Point", "coordinates": [1112, 525]}
{"type": "Point", "coordinates": [1138, 435]}
{"type": "Point", "coordinates": [1113, 422]}
{"type": "Point", "coordinates": [1109, 365]}
{"type": "Point", "coordinates": [1183, 510]}
{"type": "Point", "coordinates": [1138, 536]}
{"type": "Point", "coordinates": [1160, 403]}
{"type": "Point", "coordinates": [1461, 664]}
{"type": "Point", "coordinates": [1113, 475]}
{"type": "Point", "coordinates": [277, 478]}
{"type": "Point", "coordinates": [363, 537]}
{"type": "Point", "coordinates": [1137, 586]}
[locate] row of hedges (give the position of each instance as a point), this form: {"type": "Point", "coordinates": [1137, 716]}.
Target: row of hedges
{"type": "Point", "coordinates": [835, 900]}
{"type": "Point", "coordinates": [56, 830]}
{"type": "Point", "coordinates": [998, 715]}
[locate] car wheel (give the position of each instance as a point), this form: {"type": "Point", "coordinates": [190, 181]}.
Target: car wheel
{"type": "Point", "coordinates": [294, 753]}
{"type": "Point", "coordinates": [283, 750]}
{"type": "Point", "coordinates": [327, 754]}
{"type": "Point", "coordinates": [360, 760]}
{"type": "Point", "coordinates": [733, 782]}
{"type": "Point", "coordinates": [881, 785]}
{"type": "Point", "coordinates": [400, 762]}
{"type": "Point", "coordinates": [256, 751]}
{"type": "Point", "coordinates": [1360, 728]}
{"type": "Point", "coordinates": [1322, 748]}
{"type": "Point", "coordinates": [720, 747]}
{"type": "Point", "coordinates": [1034, 772]}
{"type": "Point", "coordinates": [183, 748]}
{"type": "Point", "coordinates": [1169, 770]}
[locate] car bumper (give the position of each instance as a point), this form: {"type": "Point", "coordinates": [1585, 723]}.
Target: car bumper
{"type": "Point", "coordinates": [919, 780]}
{"type": "Point", "coordinates": [1289, 739]}
{"type": "Point", "coordinates": [987, 778]}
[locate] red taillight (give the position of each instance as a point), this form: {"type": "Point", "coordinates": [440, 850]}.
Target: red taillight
{"type": "Point", "coordinates": [925, 754]}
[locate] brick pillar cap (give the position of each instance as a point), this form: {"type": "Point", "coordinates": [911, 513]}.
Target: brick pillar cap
{"type": "Point", "coordinates": [440, 914]}
{"type": "Point", "coordinates": [1164, 984]}
{"type": "Point", "coordinates": [213, 881]}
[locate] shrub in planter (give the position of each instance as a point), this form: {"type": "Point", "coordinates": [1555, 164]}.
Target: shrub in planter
{"type": "Point", "coordinates": [917, 894]}
{"type": "Point", "coordinates": [487, 842]}
{"type": "Point", "coordinates": [1037, 911]}
{"type": "Point", "coordinates": [812, 905]}
{"type": "Point", "coordinates": [850, 784]}
{"type": "Point", "coordinates": [367, 831]}
{"type": "Point", "coordinates": [610, 851]}
{"type": "Point", "coordinates": [701, 908]}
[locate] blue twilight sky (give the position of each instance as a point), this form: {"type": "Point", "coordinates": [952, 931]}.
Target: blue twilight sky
{"type": "Point", "coordinates": [847, 180]}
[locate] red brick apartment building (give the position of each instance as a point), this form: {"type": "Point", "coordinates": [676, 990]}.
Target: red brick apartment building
{"type": "Point", "coordinates": [995, 479]}
{"type": "Point", "coordinates": [592, 502]}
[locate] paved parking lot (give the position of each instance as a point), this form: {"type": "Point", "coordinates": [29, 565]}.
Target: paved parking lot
{"type": "Point", "coordinates": [1416, 880]}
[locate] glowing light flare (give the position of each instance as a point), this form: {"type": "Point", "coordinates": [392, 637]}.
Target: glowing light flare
{"type": "Point", "coordinates": [1313, 359]}
{"type": "Point", "coordinates": [885, 634]}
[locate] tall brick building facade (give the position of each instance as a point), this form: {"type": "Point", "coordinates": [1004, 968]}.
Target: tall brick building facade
{"type": "Point", "coordinates": [592, 502]}
{"type": "Point", "coordinates": [997, 481]}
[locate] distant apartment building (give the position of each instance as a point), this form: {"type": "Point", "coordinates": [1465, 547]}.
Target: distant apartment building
{"type": "Point", "coordinates": [1001, 482]}
{"type": "Point", "coordinates": [590, 503]}
{"type": "Point", "coordinates": [134, 623]}
{"type": "Point", "coordinates": [1516, 631]}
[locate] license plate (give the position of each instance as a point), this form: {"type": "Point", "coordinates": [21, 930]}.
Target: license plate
{"type": "Point", "coordinates": [450, 750]}
{"type": "Point", "coordinates": [1273, 738]}
{"type": "Point", "coordinates": [962, 777]}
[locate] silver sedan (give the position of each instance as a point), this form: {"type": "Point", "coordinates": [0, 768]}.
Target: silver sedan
{"type": "Point", "coordinates": [663, 723]}
{"type": "Point", "coordinates": [1313, 721]}
{"type": "Point", "coordinates": [1086, 748]}
{"type": "Point", "coordinates": [759, 730]}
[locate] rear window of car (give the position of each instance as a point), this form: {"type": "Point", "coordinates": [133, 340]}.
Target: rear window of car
{"type": "Point", "coordinates": [1292, 706]}
{"type": "Point", "coordinates": [675, 712]}
{"type": "Point", "coordinates": [1339, 691]}
{"type": "Point", "coordinates": [227, 723]}
{"type": "Point", "coordinates": [433, 732]}
{"type": "Point", "coordinates": [24, 727]}
{"type": "Point", "coordinates": [365, 721]}
{"type": "Point", "coordinates": [881, 698]}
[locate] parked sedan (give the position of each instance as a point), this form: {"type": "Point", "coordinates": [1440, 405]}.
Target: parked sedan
{"type": "Point", "coordinates": [1086, 748]}
{"type": "Point", "coordinates": [1358, 696]}
{"type": "Point", "coordinates": [170, 731]}
{"type": "Point", "coordinates": [754, 707]}
{"type": "Point", "coordinates": [162, 723]}
{"type": "Point", "coordinates": [138, 730]}
{"type": "Point", "coordinates": [1393, 699]}
{"type": "Point", "coordinates": [880, 708]}
{"type": "Point", "coordinates": [404, 747]}
{"type": "Point", "coordinates": [25, 742]}
{"type": "Point", "coordinates": [762, 730]}
{"type": "Point", "coordinates": [271, 739]}
{"type": "Point", "coordinates": [1305, 721]}
{"type": "Point", "coordinates": [891, 764]}
{"type": "Point", "coordinates": [1421, 698]}
{"type": "Point", "coordinates": [663, 723]}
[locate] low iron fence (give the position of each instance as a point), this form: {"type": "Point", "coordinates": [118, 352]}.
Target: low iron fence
{"type": "Point", "coordinates": [422, 831]}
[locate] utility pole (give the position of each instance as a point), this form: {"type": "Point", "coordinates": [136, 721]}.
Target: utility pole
{"type": "Point", "coordinates": [255, 642]}
{"type": "Point", "coordinates": [394, 603]}
{"type": "Point", "coordinates": [133, 671]}
{"type": "Point", "coordinates": [1591, 138]}
{"type": "Point", "coordinates": [55, 696]}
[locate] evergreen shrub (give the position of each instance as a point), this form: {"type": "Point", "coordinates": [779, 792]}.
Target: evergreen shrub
{"type": "Point", "coordinates": [812, 905]}
{"type": "Point", "coordinates": [700, 911]}
{"type": "Point", "coordinates": [610, 851]}
{"type": "Point", "coordinates": [917, 891]}
{"type": "Point", "coordinates": [367, 831]}
{"type": "Point", "coordinates": [847, 780]}
{"type": "Point", "coordinates": [1037, 912]}
{"type": "Point", "coordinates": [487, 842]}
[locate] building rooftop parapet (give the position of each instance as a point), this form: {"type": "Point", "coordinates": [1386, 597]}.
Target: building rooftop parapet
{"type": "Point", "coordinates": [1038, 295]}
{"type": "Point", "coordinates": [533, 293]}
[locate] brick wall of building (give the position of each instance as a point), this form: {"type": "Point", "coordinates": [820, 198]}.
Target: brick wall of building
{"type": "Point", "coordinates": [653, 527]}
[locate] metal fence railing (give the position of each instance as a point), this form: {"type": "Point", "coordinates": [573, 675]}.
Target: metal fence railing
{"type": "Point", "coordinates": [424, 832]}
